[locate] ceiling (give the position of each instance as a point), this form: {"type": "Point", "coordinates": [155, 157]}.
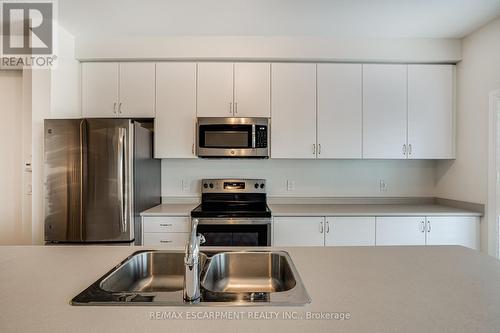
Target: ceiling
{"type": "Point", "coordinates": [332, 18]}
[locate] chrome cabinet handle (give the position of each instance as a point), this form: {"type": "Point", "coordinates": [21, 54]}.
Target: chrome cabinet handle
{"type": "Point", "coordinates": [314, 149]}
{"type": "Point", "coordinates": [166, 241]}
{"type": "Point", "coordinates": [422, 226]}
{"type": "Point", "coordinates": [192, 148]}
{"type": "Point", "coordinates": [428, 226]}
{"type": "Point", "coordinates": [321, 227]}
{"type": "Point", "coordinates": [409, 149]}
{"type": "Point", "coordinates": [120, 107]}
{"type": "Point", "coordinates": [327, 227]}
{"type": "Point", "coordinates": [404, 149]}
{"type": "Point", "coordinates": [230, 107]}
{"type": "Point", "coordinates": [319, 149]}
{"type": "Point", "coordinates": [165, 224]}
{"type": "Point", "coordinates": [114, 107]}
{"type": "Point", "coordinates": [235, 107]}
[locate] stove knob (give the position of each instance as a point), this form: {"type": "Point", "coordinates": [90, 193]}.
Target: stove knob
{"type": "Point", "coordinates": [205, 185]}
{"type": "Point", "coordinates": [211, 185]}
{"type": "Point", "coordinates": [256, 185]}
{"type": "Point", "coordinates": [262, 185]}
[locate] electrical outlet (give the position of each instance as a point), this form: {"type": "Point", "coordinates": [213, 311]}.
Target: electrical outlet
{"type": "Point", "coordinates": [185, 185]}
{"type": "Point", "coordinates": [290, 185]}
{"type": "Point", "coordinates": [383, 186]}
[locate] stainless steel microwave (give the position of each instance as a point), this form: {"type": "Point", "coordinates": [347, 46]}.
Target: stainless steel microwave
{"type": "Point", "coordinates": [232, 137]}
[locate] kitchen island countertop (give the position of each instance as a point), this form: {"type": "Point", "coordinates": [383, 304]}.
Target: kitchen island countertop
{"type": "Point", "coordinates": [384, 289]}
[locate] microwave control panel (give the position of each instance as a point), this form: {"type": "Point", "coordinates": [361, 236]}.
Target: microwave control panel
{"type": "Point", "coordinates": [260, 136]}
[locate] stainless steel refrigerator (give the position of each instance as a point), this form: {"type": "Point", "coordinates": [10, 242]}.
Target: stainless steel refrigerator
{"type": "Point", "coordinates": [99, 175]}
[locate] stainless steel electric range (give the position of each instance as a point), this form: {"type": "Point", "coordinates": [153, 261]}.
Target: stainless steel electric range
{"type": "Point", "coordinates": [234, 212]}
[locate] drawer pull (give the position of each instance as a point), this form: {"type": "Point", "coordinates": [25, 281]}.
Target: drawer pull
{"type": "Point", "coordinates": [166, 241]}
{"type": "Point", "coordinates": [165, 224]}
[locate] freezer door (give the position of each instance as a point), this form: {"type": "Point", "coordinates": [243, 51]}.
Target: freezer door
{"type": "Point", "coordinates": [62, 174]}
{"type": "Point", "coordinates": [107, 187]}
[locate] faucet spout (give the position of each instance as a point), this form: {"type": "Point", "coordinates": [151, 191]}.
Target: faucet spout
{"type": "Point", "coordinates": [191, 264]}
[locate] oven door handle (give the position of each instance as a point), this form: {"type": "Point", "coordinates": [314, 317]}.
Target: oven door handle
{"type": "Point", "coordinates": [219, 221]}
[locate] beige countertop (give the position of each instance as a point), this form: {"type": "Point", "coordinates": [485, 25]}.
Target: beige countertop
{"type": "Point", "coordinates": [384, 289]}
{"type": "Point", "coordinates": [368, 210]}
{"type": "Point", "coordinates": [333, 210]}
{"type": "Point", "coordinates": [170, 209]}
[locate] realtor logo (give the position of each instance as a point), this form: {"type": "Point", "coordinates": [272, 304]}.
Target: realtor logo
{"type": "Point", "coordinates": [27, 28]}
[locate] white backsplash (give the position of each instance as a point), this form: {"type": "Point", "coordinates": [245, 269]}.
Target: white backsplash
{"type": "Point", "coordinates": [310, 178]}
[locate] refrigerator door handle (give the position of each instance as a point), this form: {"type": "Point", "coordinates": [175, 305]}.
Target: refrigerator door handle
{"type": "Point", "coordinates": [121, 179]}
{"type": "Point", "coordinates": [83, 172]}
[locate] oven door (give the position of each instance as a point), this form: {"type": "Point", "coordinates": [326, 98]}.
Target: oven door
{"type": "Point", "coordinates": [235, 232]}
{"type": "Point", "coordinates": [232, 137]}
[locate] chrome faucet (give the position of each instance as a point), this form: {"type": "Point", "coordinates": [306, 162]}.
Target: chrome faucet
{"type": "Point", "coordinates": [191, 264]}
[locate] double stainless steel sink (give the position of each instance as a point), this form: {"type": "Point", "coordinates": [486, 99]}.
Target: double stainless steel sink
{"type": "Point", "coordinates": [231, 278]}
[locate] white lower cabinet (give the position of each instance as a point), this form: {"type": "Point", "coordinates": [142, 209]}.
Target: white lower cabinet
{"type": "Point", "coordinates": [408, 230]}
{"type": "Point", "coordinates": [350, 231]}
{"type": "Point", "coordinates": [380, 231]}
{"type": "Point", "coordinates": [170, 231]}
{"type": "Point", "coordinates": [299, 231]}
{"type": "Point", "coordinates": [453, 230]}
{"type": "Point", "coordinates": [430, 230]}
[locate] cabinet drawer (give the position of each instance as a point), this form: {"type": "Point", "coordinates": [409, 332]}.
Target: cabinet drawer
{"type": "Point", "coordinates": [174, 239]}
{"type": "Point", "coordinates": [166, 224]}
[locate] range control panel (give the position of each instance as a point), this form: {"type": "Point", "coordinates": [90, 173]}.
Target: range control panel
{"type": "Point", "coordinates": [233, 186]}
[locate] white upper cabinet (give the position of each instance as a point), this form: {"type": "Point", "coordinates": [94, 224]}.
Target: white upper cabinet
{"type": "Point", "coordinates": [137, 90]}
{"type": "Point", "coordinates": [339, 110]}
{"type": "Point", "coordinates": [252, 90]}
{"type": "Point", "coordinates": [234, 90]}
{"type": "Point", "coordinates": [293, 96]}
{"type": "Point", "coordinates": [350, 231]}
{"type": "Point", "coordinates": [430, 111]}
{"type": "Point", "coordinates": [118, 90]}
{"type": "Point", "coordinates": [175, 110]}
{"type": "Point", "coordinates": [100, 89]}
{"type": "Point", "coordinates": [453, 230]}
{"type": "Point", "coordinates": [215, 89]}
{"type": "Point", "coordinates": [400, 230]}
{"type": "Point", "coordinates": [384, 111]}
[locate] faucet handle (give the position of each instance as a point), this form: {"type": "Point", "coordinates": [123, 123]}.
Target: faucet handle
{"type": "Point", "coordinates": [201, 239]}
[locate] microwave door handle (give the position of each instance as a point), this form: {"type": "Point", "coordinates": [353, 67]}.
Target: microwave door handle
{"type": "Point", "coordinates": [253, 136]}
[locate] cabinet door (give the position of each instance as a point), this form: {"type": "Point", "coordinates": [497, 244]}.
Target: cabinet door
{"type": "Point", "coordinates": [400, 231]}
{"type": "Point", "coordinates": [430, 111]}
{"type": "Point", "coordinates": [339, 111]}
{"type": "Point", "coordinates": [99, 89]}
{"type": "Point", "coordinates": [350, 231]}
{"type": "Point", "coordinates": [384, 111]}
{"type": "Point", "coordinates": [299, 231]}
{"type": "Point", "coordinates": [252, 90]}
{"type": "Point", "coordinates": [453, 230]}
{"type": "Point", "coordinates": [215, 89]}
{"type": "Point", "coordinates": [175, 110]}
{"type": "Point", "coordinates": [293, 125]}
{"type": "Point", "coordinates": [137, 90]}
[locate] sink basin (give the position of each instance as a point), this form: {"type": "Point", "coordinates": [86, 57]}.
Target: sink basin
{"type": "Point", "coordinates": [149, 272]}
{"type": "Point", "coordinates": [232, 278]}
{"type": "Point", "coordinates": [236, 272]}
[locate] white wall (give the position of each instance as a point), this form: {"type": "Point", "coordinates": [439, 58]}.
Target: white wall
{"type": "Point", "coordinates": [11, 150]}
{"type": "Point", "coordinates": [318, 178]}
{"type": "Point", "coordinates": [271, 48]}
{"type": "Point", "coordinates": [65, 78]}
{"type": "Point", "coordinates": [477, 75]}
